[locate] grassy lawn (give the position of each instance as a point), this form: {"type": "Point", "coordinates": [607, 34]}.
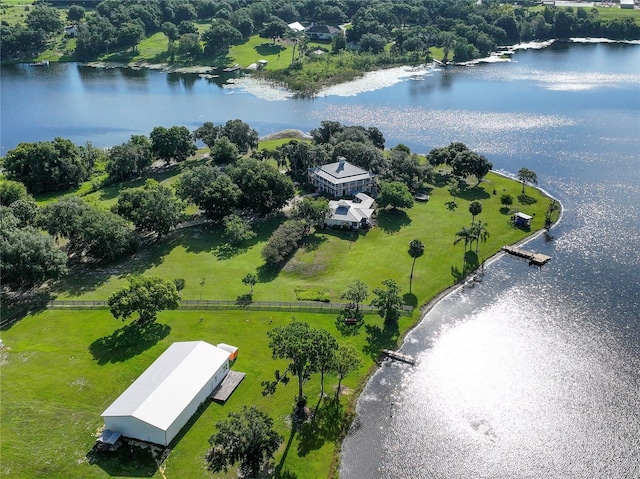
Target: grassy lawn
{"type": "Point", "coordinates": [329, 260]}
{"type": "Point", "coordinates": [61, 369]}
{"type": "Point", "coordinates": [606, 13]}
{"type": "Point", "coordinates": [14, 11]}
{"type": "Point", "coordinates": [256, 48]}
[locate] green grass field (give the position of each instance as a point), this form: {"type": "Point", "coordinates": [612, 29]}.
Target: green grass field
{"type": "Point", "coordinates": [329, 260]}
{"type": "Point", "coordinates": [60, 369]}
{"type": "Point", "coordinates": [606, 13]}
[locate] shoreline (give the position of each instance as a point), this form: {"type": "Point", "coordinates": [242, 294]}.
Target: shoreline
{"type": "Point", "coordinates": [424, 311]}
{"type": "Point", "coordinates": [502, 53]}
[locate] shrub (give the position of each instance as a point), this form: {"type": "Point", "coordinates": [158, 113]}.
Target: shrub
{"type": "Point", "coordinates": [284, 241]}
{"type": "Point", "coordinates": [506, 199]}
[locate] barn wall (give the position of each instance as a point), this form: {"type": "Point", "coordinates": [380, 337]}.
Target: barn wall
{"type": "Point", "coordinates": [131, 427]}
{"type": "Point", "coordinates": [190, 410]}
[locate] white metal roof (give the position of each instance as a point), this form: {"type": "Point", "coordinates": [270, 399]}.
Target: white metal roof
{"type": "Point", "coordinates": [297, 26]}
{"type": "Point", "coordinates": [346, 210]}
{"type": "Point", "coordinates": [167, 387]}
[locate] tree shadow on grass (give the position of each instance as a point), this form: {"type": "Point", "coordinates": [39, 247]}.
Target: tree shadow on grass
{"type": "Point", "coordinates": [129, 460]}
{"type": "Point", "coordinates": [345, 323]}
{"type": "Point", "coordinates": [228, 251]}
{"type": "Point", "coordinates": [381, 338]}
{"type": "Point", "coordinates": [475, 193]}
{"type": "Point", "coordinates": [266, 49]}
{"type": "Point", "coordinates": [244, 299]}
{"type": "Point", "coordinates": [410, 299]}
{"type": "Point", "coordinates": [525, 199]}
{"type": "Point", "coordinates": [325, 426]}
{"type": "Point", "coordinates": [392, 221]}
{"type": "Point", "coordinates": [14, 308]}
{"type": "Point", "coordinates": [280, 471]}
{"type": "Point", "coordinates": [471, 263]}
{"type": "Point", "coordinates": [313, 242]}
{"type": "Point", "coordinates": [127, 342]}
{"type": "Point", "coordinates": [267, 273]}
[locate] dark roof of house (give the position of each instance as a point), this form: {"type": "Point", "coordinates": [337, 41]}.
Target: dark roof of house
{"type": "Point", "coordinates": [322, 29]}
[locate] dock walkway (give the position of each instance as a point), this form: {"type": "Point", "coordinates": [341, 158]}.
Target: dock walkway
{"type": "Point", "coordinates": [405, 358]}
{"type": "Point", "coordinates": [534, 258]}
{"type": "Point", "coordinates": [224, 390]}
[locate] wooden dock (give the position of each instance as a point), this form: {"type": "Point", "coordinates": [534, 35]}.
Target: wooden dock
{"type": "Point", "coordinates": [537, 259]}
{"type": "Point", "coordinates": [224, 390]}
{"type": "Point", "coordinates": [405, 358]}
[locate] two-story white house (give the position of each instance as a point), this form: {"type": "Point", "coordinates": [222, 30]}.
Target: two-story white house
{"type": "Point", "coordinates": [341, 179]}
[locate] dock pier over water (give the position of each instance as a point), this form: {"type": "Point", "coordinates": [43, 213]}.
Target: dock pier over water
{"type": "Point", "coordinates": [537, 259]}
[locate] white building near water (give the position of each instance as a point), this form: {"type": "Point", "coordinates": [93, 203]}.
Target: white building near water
{"type": "Point", "coordinates": [161, 401]}
{"type": "Point", "coordinates": [341, 178]}
{"type": "Point", "coordinates": [351, 214]}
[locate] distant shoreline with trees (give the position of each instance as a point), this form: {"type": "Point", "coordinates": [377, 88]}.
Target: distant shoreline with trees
{"type": "Point", "coordinates": [205, 37]}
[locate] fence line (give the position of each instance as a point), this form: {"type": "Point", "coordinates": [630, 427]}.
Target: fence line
{"type": "Point", "coordinates": [213, 304]}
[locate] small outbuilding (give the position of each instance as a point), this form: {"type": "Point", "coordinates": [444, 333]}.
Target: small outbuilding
{"type": "Point", "coordinates": [161, 401]}
{"type": "Point", "coordinates": [521, 219]}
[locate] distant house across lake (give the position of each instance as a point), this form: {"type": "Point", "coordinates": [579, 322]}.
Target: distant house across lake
{"type": "Point", "coordinates": [321, 32]}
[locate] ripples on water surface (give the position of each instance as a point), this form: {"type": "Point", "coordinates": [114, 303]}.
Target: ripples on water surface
{"type": "Point", "coordinates": [511, 381]}
{"type": "Point", "coordinates": [532, 373]}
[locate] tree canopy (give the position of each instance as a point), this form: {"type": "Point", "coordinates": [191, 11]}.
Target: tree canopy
{"type": "Point", "coordinates": [264, 189]}
{"type": "Point", "coordinates": [11, 191]}
{"type": "Point", "coordinates": [416, 249]}
{"type": "Point", "coordinates": [47, 165]}
{"type": "Point", "coordinates": [91, 232]}
{"type": "Point", "coordinates": [246, 437]}
{"type": "Point", "coordinates": [130, 159]}
{"type": "Point", "coordinates": [347, 360]}
{"type": "Point", "coordinates": [284, 241]}
{"type": "Point", "coordinates": [27, 256]}
{"type": "Point", "coordinates": [152, 208]}
{"type": "Point", "coordinates": [295, 342]}
{"type": "Point", "coordinates": [525, 176]}
{"type": "Point", "coordinates": [395, 194]}
{"type": "Point", "coordinates": [172, 144]}
{"type": "Point", "coordinates": [388, 301]}
{"type": "Point", "coordinates": [145, 295]}
{"type": "Point", "coordinates": [356, 293]}
{"type": "Point", "coordinates": [211, 189]}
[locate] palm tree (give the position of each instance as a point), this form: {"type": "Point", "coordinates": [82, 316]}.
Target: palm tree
{"type": "Point", "coordinates": [480, 233]}
{"type": "Point", "coordinates": [416, 249]}
{"type": "Point", "coordinates": [466, 233]}
{"type": "Point", "coordinates": [475, 208]}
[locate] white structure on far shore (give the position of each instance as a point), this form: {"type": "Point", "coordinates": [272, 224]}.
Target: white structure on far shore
{"type": "Point", "coordinates": [161, 401]}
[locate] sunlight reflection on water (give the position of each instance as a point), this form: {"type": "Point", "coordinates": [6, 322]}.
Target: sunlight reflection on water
{"type": "Point", "coordinates": [512, 389]}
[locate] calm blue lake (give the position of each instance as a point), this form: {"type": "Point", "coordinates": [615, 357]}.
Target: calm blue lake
{"type": "Point", "coordinates": [532, 373]}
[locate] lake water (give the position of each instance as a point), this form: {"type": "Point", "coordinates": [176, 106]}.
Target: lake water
{"type": "Point", "coordinates": [532, 373]}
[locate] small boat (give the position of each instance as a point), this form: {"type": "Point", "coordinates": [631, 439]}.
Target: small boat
{"type": "Point", "coordinates": [42, 63]}
{"type": "Point", "coordinates": [234, 68]}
